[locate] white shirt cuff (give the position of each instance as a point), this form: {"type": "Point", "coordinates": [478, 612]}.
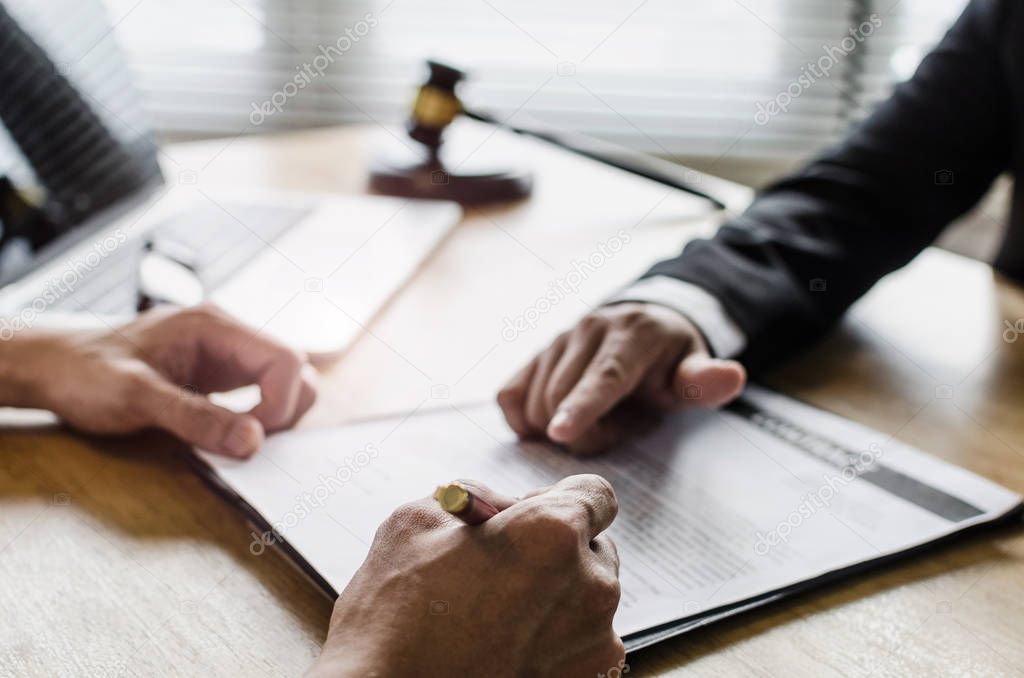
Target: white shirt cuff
{"type": "Point", "coordinates": [724, 336]}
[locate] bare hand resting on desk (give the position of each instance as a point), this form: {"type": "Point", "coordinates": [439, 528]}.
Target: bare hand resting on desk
{"type": "Point", "coordinates": [154, 372]}
{"type": "Point", "coordinates": [639, 352]}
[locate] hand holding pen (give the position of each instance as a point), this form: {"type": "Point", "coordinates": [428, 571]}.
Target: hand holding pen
{"type": "Point", "coordinates": [537, 577]}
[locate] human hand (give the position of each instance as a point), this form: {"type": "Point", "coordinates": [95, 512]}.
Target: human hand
{"type": "Point", "coordinates": [637, 351]}
{"type": "Point", "coordinates": [530, 592]}
{"type": "Point", "coordinates": [155, 372]}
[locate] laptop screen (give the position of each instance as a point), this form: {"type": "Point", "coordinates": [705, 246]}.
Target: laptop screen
{"type": "Point", "coordinates": [74, 143]}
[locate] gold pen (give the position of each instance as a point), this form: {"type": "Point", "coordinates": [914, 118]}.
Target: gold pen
{"type": "Point", "coordinates": [459, 500]}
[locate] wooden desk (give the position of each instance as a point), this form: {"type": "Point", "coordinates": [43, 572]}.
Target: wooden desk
{"type": "Point", "coordinates": [116, 560]}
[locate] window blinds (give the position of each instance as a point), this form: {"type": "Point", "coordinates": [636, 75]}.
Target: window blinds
{"type": "Point", "coordinates": [669, 77]}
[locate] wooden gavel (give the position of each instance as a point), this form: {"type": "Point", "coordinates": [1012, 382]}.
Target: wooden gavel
{"type": "Point", "coordinates": [437, 106]}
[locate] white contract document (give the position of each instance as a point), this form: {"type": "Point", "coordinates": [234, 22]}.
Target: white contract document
{"type": "Point", "coordinates": [719, 511]}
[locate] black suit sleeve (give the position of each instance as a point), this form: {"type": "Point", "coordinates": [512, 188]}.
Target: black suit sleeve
{"type": "Point", "coordinates": [868, 206]}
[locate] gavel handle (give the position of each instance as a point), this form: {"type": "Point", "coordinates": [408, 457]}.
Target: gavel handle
{"type": "Point", "coordinates": [655, 169]}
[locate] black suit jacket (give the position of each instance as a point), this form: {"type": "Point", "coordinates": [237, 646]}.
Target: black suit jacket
{"type": "Point", "coordinates": [813, 243]}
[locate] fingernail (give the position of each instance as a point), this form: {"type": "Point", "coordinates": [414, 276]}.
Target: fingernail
{"type": "Point", "coordinates": [244, 437]}
{"type": "Point", "coordinates": [557, 423]}
{"type": "Point", "coordinates": [702, 361]}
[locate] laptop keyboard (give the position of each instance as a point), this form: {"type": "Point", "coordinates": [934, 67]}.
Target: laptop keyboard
{"type": "Point", "coordinates": [215, 240]}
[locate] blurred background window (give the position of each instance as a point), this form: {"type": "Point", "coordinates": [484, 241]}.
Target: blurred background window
{"type": "Point", "coordinates": [679, 78]}
{"type": "Point", "coordinates": [692, 81]}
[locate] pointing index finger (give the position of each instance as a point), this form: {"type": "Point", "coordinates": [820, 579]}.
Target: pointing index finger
{"type": "Point", "coordinates": [616, 370]}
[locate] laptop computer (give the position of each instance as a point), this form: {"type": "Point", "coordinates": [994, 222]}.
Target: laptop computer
{"type": "Point", "coordinates": [309, 270]}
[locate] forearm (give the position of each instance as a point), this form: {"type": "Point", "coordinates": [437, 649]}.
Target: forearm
{"type": "Point", "coordinates": [813, 243]}
{"type": "Point", "coordinates": [22, 380]}
{"type": "Point", "coordinates": [790, 267]}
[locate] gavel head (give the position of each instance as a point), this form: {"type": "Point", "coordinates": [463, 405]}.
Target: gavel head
{"type": "Point", "coordinates": [436, 105]}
